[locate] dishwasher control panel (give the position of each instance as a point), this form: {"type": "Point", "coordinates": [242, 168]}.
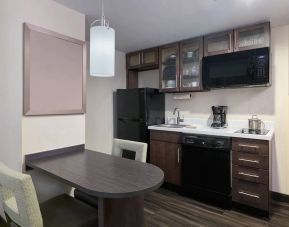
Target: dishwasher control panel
{"type": "Point", "coordinates": [216, 142]}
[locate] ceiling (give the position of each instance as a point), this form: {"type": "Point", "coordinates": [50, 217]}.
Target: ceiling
{"type": "Point", "coordinates": [146, 23]}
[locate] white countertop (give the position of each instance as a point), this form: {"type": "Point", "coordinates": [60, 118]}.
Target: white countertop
{"type": "Point", "coordinates": [202, 128]}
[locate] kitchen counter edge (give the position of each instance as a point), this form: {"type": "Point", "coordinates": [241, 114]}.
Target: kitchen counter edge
{"type": "Point", "coordinates": [216, 132]}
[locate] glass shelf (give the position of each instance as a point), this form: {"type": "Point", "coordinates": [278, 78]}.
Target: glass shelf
{"type": "Point", "coordinates": [252, 37]}
{"type": "Point", "coordinates": [169, 67]}
{"type": "Point", "coordinates": [191, 52]}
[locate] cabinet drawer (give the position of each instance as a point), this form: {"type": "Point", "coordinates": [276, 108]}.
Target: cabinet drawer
{"type": "Point", "coordinates": [259, 147]}
{"type": "Point", "coordinates": [250, 160]}
{"type": "Point", "coordinates": [251, 174]}
{"type": "Point", "coordinates": [251, 194]}
{"type": "Point", "coordinates": [173, 137]}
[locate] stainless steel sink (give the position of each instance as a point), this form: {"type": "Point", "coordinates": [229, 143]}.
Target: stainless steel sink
{"type": "Point", "coordinates": [171, 126]}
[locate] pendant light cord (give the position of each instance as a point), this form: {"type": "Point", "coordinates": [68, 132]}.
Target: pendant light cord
{"type": "Point", "coordinates": [102, 14]}
{"type": "Point", "coordinates": [102, 20]}
{"type": "Point", "coordinates": [102, 8]}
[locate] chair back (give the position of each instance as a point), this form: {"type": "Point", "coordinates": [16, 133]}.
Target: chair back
{"type": "Point", "coordinates": [18, 197]}
{"type": "Point", "coordinates": [120, 146]}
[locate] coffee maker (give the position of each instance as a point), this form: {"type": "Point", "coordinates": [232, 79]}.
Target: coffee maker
{"type": "Point", "coordinates": [219, 117]}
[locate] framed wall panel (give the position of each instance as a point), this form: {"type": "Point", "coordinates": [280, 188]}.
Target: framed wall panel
{"type": "Point", "coordinates": [54, 73]}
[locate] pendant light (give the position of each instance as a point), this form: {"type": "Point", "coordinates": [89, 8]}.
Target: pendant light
{"type": "Point", "coordinates": [102, 47]}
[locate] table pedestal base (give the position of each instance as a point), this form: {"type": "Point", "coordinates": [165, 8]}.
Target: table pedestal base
{"type": "Point", "coordinates": [126, 212]}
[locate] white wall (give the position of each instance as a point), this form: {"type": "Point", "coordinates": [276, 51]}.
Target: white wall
{"type": "Point", "coordinates": [52, 132]}
{"type": "Point", "coordinates": [270, 103]}
{"type": "Point", "coordinates": [10, 91]}
{"type": "Point", "coordinates": [24, 135]}
{"type": "Point", "coordinates": [149, 79]}
{"type": "Point", "coordinates": [280, 66]}
{"type": "Point", "coordinates": [100, 107]}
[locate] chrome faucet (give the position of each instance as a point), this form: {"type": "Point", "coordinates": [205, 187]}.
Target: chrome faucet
{"type": "Point", "coordinates": [177, 110]}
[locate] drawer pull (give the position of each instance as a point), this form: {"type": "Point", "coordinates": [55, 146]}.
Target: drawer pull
{"type": "Point", "coordinates": [248, 160]}
{"type": "Point", "coordinates": [247, 174]}
{"type": "Point", "coordinates": [249, 146]}
{"type": "Point", "coordinates": [248, 194]}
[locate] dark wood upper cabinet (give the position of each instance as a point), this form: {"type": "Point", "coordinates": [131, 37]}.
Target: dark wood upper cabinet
{"type": "Point", "coordinates": [218, 43]}
{"type": "Point", "coordinates": [191, 54]}
{"type": "Point", "coordinates": [180, 66]}
{"type": "Point", "coordinates": [251, 37]}
{"type": "Point", "coordinates": [142, 60]}
{"type": "Point", "coordinates": [150, 57]}
{"type": "Point", "coordinates": [180, 63]}
{"type": "Point", "coordinates": [169, 68]}
{"type": "Point", "coordinates": [133, 60]}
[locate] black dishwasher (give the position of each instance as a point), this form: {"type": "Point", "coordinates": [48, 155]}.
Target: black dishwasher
{"type": "Point", "coordinates": [206, 168]}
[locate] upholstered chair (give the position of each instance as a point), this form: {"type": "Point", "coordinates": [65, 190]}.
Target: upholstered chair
{"type": "Point", "coordinates": [138, 149]}
{"type": "Point", "coordinates": [21, 207]}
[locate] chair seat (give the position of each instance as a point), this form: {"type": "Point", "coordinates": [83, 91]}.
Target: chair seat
{"type": "Point", "coordinates": [82, 196]}
{"type": "Point", "coordinates": [64, 211]}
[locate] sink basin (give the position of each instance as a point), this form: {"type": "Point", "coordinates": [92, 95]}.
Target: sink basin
{"type": "Point", "coordinates": [171, 126]}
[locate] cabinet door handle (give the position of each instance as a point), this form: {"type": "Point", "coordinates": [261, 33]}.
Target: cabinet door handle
{"type": "Point", "coordinates": [141, 58]}
{"type": "Point", "coordinates": [248, 160]}
{"type": "Point", "coordinates": [249, 175]}
{"type": "Point", "coordinates": [180, 81]}
{"type": "Point", "coordinates": [235, 40]}
{"type": "Point", "coordinates": [248, 146]}
{"type": "Point", "coordinates": [249, 194]}
{"type": "Point", "coordinates": [230, 42]}
{"type": "Point", "coordinates": [178, 155]}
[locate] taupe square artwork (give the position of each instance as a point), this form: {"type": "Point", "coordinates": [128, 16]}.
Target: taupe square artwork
{"type": "Point", "coordinates": [54, 73]}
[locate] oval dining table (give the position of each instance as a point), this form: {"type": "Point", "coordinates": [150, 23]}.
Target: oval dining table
{"type": "Point", "coordinates": [118, 183]}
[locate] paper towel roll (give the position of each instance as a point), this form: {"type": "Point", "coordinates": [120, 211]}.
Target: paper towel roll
{"type": "Point", "coordinates": [182, 96]}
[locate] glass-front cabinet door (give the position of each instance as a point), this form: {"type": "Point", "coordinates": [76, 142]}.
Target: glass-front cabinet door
{"type": "Point", "coordinates": [218, 43]}
{"type": "Point", "coordinates": [150, 56]}
{"type": "Point", "coordinates": [191, 54]}
{"type": "Point", "coordinates": [169, 68]}
{"type": "Point", "coordinates": [256, 36]}
{"type": "Point", "coordinates": [133, 60]}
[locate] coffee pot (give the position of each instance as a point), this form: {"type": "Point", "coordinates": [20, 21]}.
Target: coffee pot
{"type": "Point", "coordinates": [219, 117]}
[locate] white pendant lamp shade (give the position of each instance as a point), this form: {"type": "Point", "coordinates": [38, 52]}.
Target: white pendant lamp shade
{"type": "Point", "coordinates": [102, 51]}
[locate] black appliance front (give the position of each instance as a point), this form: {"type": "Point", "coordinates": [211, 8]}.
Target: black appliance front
{"type": "Point", "coordinates": [243, 68]}
{"type": "Point", "coordinates": [219, 116]}
{"type": "Point", "coordinates": [206, 168]}
{"type": "Point", "coordinates": [131, 104]}
{"type": "Point", "coordinates": [134, 130]}
{"type": "Point", "coordinates": [136, 110]}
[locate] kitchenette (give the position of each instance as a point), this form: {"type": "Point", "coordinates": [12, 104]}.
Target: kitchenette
{"type": "Point", "coordinates": [138, 113]}
{"type": "Point", "coordinates": [202, 118]}
{"type": "Point", "coordinates": [229, 166]}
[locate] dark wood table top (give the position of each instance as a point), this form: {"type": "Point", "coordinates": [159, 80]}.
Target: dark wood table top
{"type": "Point", "coordinates": [99, 174]}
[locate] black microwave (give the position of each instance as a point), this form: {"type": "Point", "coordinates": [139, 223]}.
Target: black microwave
{"type": "Point", "coordinates": [237, 69]}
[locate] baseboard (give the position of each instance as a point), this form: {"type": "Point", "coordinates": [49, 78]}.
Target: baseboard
{"type": "Point", "coordinates": [251, 211]}
{"type": "Point", "coordinates": [280, 197]}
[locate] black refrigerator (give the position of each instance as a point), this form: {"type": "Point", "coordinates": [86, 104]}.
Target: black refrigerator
{"type": "Point", "coordinates": [136, 110]}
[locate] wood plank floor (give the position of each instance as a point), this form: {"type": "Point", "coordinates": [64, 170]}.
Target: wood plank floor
{"type": "Point", "coordinates": [167, 209]}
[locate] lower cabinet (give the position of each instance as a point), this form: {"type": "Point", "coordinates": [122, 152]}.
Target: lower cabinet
{"type": "Point", "coordinates": [165, 152]}
{"type": "Point", "coordinates": [251, 167]}
{"type": "Point", "coordinates": [251, 170]}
